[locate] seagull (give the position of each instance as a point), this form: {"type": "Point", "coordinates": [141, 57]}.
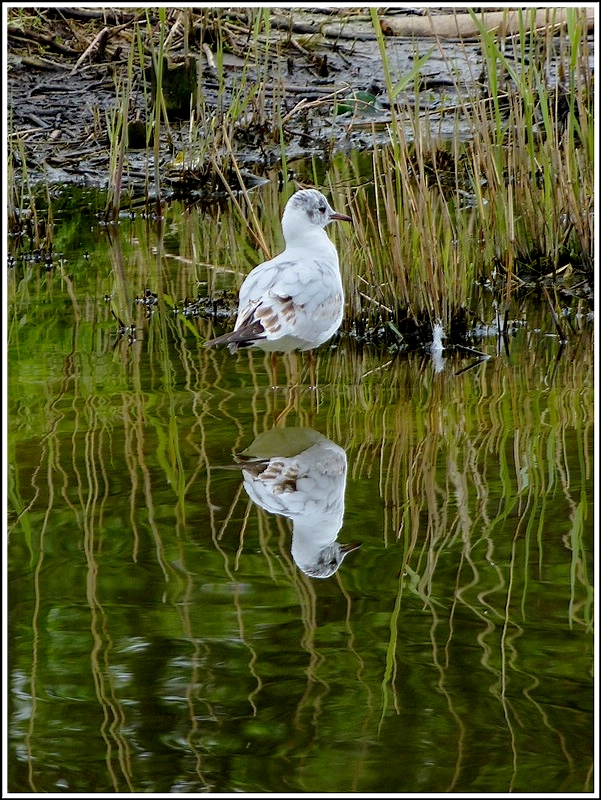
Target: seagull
{"type": "Point", "coordinates": [300, 474]}
{"type": "Point", "coordinates": [295, 300]}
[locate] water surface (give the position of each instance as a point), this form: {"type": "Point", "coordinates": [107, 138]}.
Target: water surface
{"type": "Point", "coordinates": [162, 636]}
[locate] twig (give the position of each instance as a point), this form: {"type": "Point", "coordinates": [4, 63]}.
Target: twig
{"type": "Point", "coordinates": [209, 56]}
{"type": "Point", "coordinates": [305, 104]}
{"type": "Point", "coordinates": [470, 366]}
{"type": "Point", "coordinates": [98, 44]}
{"type": "Point", "coordinates": [473, 350]}
{"type": "Point", "coordinates": [375, 302]}
{"type": "Point", "coordinates": [110, 16]}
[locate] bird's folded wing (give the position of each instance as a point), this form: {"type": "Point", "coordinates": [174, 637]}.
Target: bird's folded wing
{"type": "Point", "coordinates": [288, 302]}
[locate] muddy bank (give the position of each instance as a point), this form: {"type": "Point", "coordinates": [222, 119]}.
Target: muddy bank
{"type": "Point", "coordinates": [291, 83]}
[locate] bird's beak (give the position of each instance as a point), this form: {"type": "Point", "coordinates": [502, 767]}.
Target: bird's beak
{"type": "Point", "coordinates": [341, 217]}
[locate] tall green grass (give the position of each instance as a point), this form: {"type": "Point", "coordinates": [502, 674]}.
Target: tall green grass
{"type": "Point", "coordinates": [515, 200]}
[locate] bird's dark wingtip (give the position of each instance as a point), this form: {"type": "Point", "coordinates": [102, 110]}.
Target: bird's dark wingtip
{"type": "Point", "coordinates": [245, 336]}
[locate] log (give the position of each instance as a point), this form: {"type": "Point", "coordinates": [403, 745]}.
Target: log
{"type": "Point", "coordinates": [462, 26]}
{"type": "Point", "coordinates": [46, 41]}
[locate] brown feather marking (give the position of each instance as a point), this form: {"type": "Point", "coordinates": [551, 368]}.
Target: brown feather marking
{"type": "Point", "coordinates": [288, 309]}
{"type": "Point", "coordinates": [269, 319]}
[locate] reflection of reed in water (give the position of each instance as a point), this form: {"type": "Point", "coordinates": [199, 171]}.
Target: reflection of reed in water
{"type": "Point", "coordinates": [483, 480]}
{"type": "Point", "coordinates": [299, 474]}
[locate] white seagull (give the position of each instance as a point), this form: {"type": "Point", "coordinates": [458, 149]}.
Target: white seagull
{"type": "Point", "coordinates": [295, 300]}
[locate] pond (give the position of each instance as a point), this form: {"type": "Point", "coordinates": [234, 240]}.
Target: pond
{"type": "Point", "coordinates": [410, 609]}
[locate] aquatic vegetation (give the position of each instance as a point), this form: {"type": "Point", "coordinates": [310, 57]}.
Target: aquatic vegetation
{"type": "Point", "coordinates": [162, 635]}
{"type": "Point", "coordinates": [470, 495]}
{"type": "Point", "coordinates": [474, 195]}
{"type": "Point", "coordinates": [510, 207]}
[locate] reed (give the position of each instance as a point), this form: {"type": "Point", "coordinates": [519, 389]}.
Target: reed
{"type": "Point", "coordinates": [509, 208]}
{"type": "Point", "coordinates": [25, 223]}
{"type": "Point", "coordinates": [515, 202]}
{"type": "Point", "coordinates": [117, 131]}
{"type": "Point", "coordinates": [540, 165]}
{"type": "Point", "coordinates": [473, 489]}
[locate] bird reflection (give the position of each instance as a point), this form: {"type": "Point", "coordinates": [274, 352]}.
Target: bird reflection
{"type": "Point", "coordinates": [300, 474]}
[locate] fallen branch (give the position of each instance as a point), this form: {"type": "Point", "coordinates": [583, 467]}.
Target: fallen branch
{"type": "Point", "coordinates": [39, 38]}
{"type": "Point", "coordinates": [338, 30]}
{"type": "Point", "coordinates": [462, 26]}
{"type": "Point", "coordinates": [97, 46]}
{"type": "Point", "coordinates": [109, 16]}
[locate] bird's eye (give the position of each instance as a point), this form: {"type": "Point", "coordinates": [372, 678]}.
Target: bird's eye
{"type": "Point", "coordinates": [322, 209]}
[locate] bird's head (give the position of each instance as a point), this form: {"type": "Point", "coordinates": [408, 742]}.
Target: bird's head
{"type": "Point", "coordinates": [308, 209]}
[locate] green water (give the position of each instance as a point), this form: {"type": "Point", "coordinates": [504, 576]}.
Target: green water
{"type": "Point", "coordinates": [161, 636]}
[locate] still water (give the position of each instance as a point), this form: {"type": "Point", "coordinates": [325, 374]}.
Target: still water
{"type": "Point", "coordinates": [382, 584]}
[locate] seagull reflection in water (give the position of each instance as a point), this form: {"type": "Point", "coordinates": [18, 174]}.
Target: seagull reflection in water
{"type": "Point", "coordinates": [300, 474]}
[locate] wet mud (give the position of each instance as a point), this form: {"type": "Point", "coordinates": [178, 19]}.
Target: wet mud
{"type": "Point", "coordinates": [312, 84]}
